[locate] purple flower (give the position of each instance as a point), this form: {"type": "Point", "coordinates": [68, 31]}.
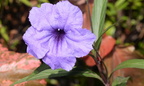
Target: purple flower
{"type": "Point", "coordinates": [56, 35]}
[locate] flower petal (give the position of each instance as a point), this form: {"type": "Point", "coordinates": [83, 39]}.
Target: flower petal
{"type": "Point", "coordinates": [37, 42]}
{"type": "Point", "coordinates": [81, 41]}
{"type": "Point", "coordinates": [43, 17]}
{"type": "Point", "coordinates": [59, 62]}
{"type": "Point", "coordinates": [69, 15]}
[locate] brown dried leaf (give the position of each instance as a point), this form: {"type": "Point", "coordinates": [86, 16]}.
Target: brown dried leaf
{"type": "Point", "coordinates": [120, 54]}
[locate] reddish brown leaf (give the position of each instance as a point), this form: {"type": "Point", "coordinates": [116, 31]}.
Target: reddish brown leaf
{"type": "Point", "coordinates": [89, 61]}
{"type": "Point", "coordinates": [106, 46]}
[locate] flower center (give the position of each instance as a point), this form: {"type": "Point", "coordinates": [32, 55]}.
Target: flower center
{"type": "Point", "coordinates": [59, 34]}
{"type": "Point", "coordinates": [60, 31]}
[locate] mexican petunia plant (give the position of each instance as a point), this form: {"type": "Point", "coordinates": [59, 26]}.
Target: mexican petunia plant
{"type": "Point", "coordinates": [56, 35]}
{"type": "Point", "coordinates": [57, 38]}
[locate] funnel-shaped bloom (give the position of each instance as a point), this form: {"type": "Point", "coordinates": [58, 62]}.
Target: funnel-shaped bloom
{"type": "Point", "coordinates": [56, 35]}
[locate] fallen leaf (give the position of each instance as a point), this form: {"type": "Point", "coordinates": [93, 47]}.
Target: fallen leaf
{"type": "Point", "coordinates": [107, 44]}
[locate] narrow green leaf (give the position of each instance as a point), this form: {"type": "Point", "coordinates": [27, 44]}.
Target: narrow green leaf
{"type": "Point", "coordinates": [60, 72]}
{"type": "Point", "coordinates": [120, 81]}
{"type": "Point", "coordinates": [98, 19]}
{"type": "Point", "coordinates": [42, 67]}
{"type": "Point", "coordinates": [133, 63]}
{"type": "Point", "coordinates": [48, 73]}
{"type": "Point", "coordinates": [20, 81]}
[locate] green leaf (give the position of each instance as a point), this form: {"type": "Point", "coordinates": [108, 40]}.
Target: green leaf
{"type": "Point", "coordinates": [120, 81]}
{"type": "Point", "coordinates": [42, 67]}
{"type": "Point", "coordinates": [26, 2]}
{"type": "Point", "coordinates": [3, 33]}
{"type": "Point", "coordinates": [48, 73]}
{"type": "Point", "coordinates": [121, 4]}
{"type": "Point", "coordinates": [111, 30]}
{"type": "Point", "coordinates": [98, 19]}
{"type": "Point", "coordinates": [133, 63]}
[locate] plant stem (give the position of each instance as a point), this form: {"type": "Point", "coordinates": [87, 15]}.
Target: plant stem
{"type": "Point", "coordinates": [102, 68]}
